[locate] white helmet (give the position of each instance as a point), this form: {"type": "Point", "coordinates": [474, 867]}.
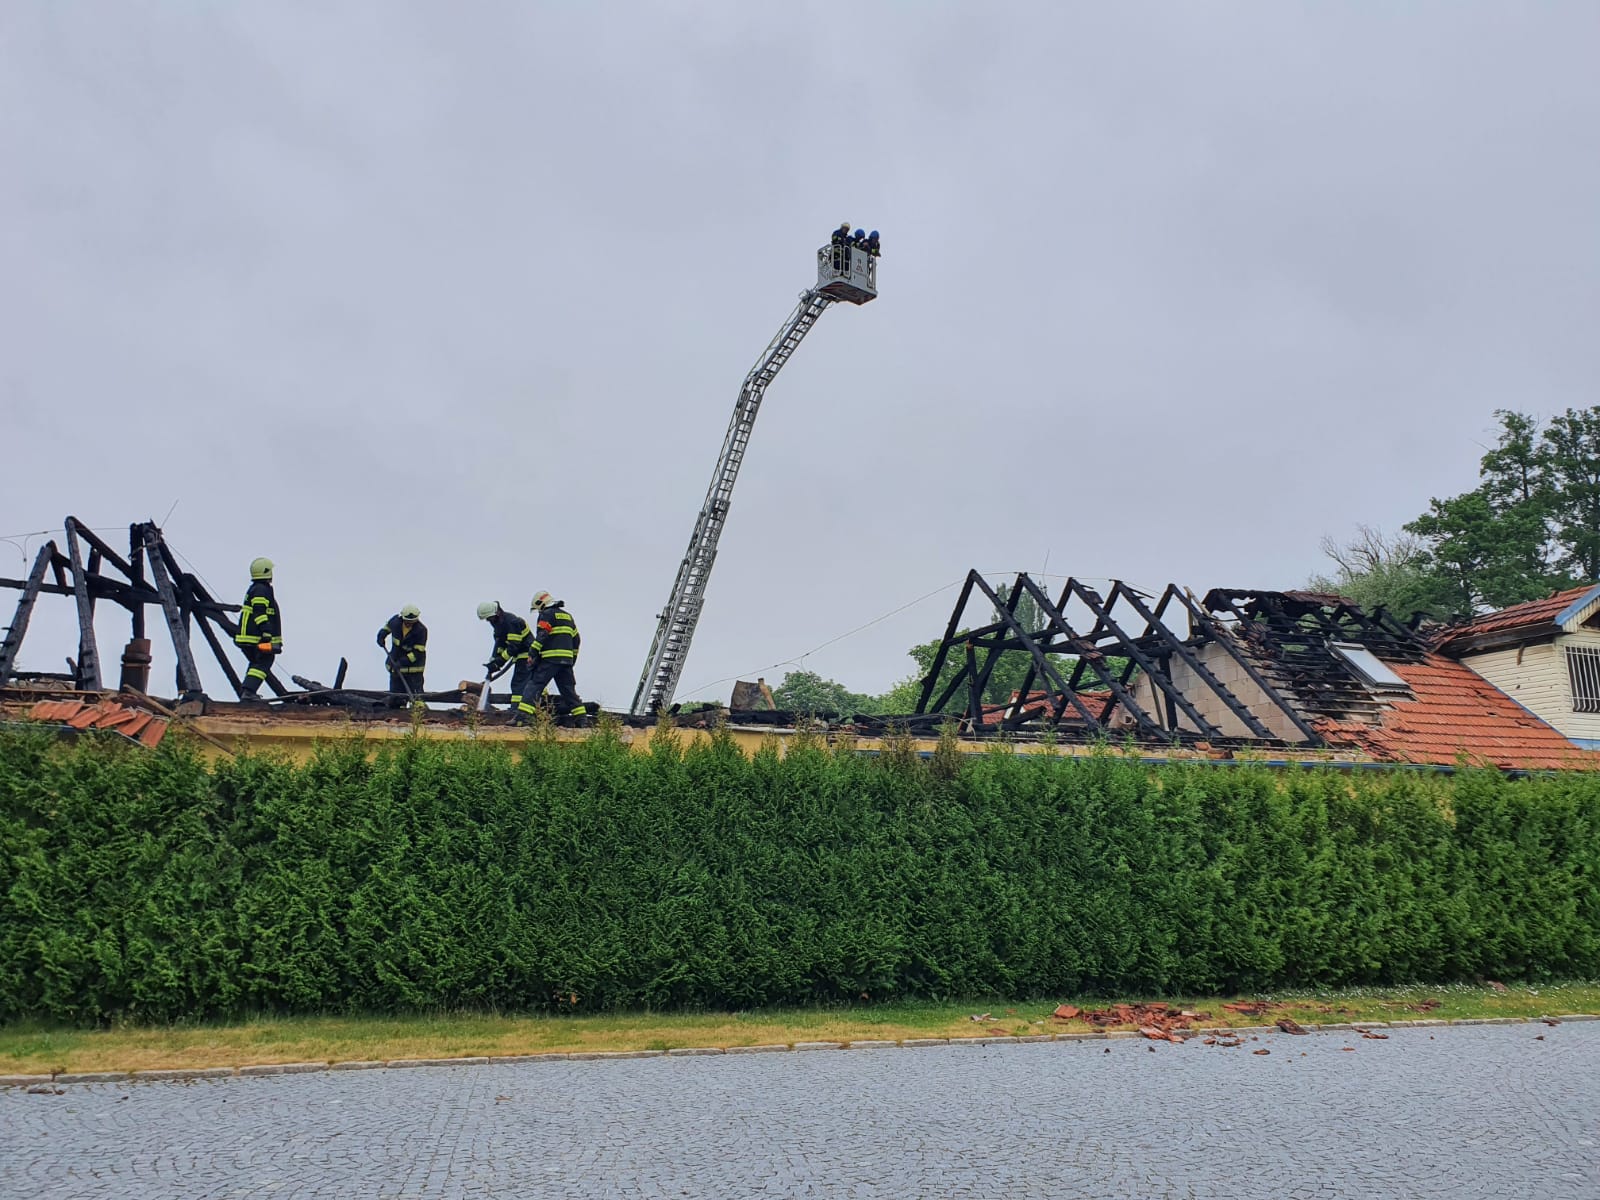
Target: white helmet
{"type": "Point", "coordinates": [487, 609]}
{"type": "Point", "coordinates": [410, 612]}
{"type": "Point", "coordinates": [540, 599]}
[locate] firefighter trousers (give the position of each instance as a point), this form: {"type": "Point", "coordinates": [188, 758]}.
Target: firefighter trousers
{"type": "Point", "coordinates": [559, 672]}
{"type": "Point", "coordinates": [260, 663]}
{"type": "Point", "coordinates": [520, 671]}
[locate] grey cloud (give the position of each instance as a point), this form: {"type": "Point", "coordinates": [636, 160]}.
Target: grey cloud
{"type": "Point", "coordinates": [437, 303]}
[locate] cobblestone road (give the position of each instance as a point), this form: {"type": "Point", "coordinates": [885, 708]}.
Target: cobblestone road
{"type": "Point", "coordinates": [1466, 1111]}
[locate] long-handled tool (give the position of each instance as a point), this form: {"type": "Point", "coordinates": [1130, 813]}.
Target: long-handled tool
{"type": "Point", "coordinates": [393, 664]}
{"type": "Point", "coordinates": [483, 695]}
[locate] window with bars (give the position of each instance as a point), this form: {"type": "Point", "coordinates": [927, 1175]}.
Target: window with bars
{"type": "Point", "coordinates": [1583, 666]}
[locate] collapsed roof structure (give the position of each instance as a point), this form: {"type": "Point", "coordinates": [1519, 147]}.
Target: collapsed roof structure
{"type": "Point", "coordinates": [1240, 667]}
{"type": "Point", "coordinates": [1237, 670]}
{"type": "Point", "coordinates": [148, 577]}
{"type": "Point", "coordinates": [92, 572]}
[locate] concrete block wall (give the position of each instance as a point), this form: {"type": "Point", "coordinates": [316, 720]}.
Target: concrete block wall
{"type": "Point", "coordinates": [1232, 676]}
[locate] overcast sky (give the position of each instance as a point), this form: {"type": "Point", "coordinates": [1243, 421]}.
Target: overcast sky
{"type": "Point", "coordinates": [449, 302]}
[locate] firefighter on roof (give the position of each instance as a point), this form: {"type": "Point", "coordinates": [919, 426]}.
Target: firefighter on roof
{"type": "Point", "coordinates": [555, 651]}
{"type": "Point", "coordinates": [260, 628]}
{"type": "Point", "coordinates": [408, 656]}
{"type": "Point", "coordinates": [511, 642]}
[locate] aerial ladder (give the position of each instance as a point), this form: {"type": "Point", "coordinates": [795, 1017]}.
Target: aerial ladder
{"type": "Point", "coordinates": [843, 273]}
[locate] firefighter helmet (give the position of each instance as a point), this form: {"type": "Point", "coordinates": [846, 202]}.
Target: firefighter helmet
{"type": "Point", "coordinates": [487, 609]}
{"type": "Point", "coordinates": [261, 568]}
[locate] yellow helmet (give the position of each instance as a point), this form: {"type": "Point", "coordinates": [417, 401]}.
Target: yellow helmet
{"type": "Point", "coordinates": [261, 568]}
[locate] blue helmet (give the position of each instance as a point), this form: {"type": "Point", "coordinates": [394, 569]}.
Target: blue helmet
{"type": "Point", "coordinates": [873, 236]}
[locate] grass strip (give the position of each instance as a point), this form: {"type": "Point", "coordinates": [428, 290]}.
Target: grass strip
{"type": "Point", "coordinates": [34, 1048]}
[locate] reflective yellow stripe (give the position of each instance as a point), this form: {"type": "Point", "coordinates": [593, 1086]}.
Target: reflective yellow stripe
{"type": "Point", "coordinates": [557, 654]}
{"type": "Point", "coordinates": [255, 673]}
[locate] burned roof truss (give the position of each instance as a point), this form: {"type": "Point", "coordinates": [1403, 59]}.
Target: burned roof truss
{"type": "Point", "coordinates": [1124, 635]}
{"type": "Point", "coordinates": [91, 571]}
{"type": "Point", "coordinates": [1293, 638]}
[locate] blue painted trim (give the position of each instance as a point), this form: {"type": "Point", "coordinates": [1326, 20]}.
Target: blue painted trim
{"type": "Point", "coordinates": [1578, 605]}
{"type": "Point", "coordinates": [1585, 743]}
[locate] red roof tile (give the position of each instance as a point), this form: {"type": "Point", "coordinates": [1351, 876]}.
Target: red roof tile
{"type": "Point", "coordinates": [56, 710]}
{"type": "Point", "coordinates": [1455, 713]}
{"type": "Point", "coordinates": [1531, 614]}
{"type": "Point", "coordinates": [107, 714]}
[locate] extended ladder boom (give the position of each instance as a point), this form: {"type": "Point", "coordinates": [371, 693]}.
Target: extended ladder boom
{"type": "Point", "coordinates": [676, 622]}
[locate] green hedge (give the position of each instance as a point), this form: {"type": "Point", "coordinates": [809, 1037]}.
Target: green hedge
{"type": "Point", "coordinates": [154, 886]}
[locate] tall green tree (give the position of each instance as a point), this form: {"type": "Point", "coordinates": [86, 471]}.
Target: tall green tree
{"type": "Point", "coordinates": [1514, 471]}
{"type": "Point", "coordinates": [1513, 537]}
{"type": "Point", "coordinates": [1488, 555]}
{"type": "Point", "coordinates": [1530, 526]}
{"type": "Point", "coordinates": [1571, 466]}
{"type": "Point", "coordinates": [808, 692]}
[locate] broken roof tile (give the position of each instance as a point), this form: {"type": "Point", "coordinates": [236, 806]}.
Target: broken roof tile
{"type": "Point", "coordinates": [87, 717]}
{"type": "Point", "coordinates": [131, 722]}
{"type": "Point", "coordinates": [1457, 713]}
{"type": "Point", "coordinates": [1533, 619]}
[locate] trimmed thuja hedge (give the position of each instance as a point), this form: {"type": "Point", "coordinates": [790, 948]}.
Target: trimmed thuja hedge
{"type": "Point", "coordinates": [152, 885]}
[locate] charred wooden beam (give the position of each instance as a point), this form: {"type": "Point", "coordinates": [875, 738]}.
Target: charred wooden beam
{"type": "Point", "coordinates": [932, 676]}
{"type": "Point", "coordinates": [1091, 655]}
{"type": "Point", "coordinates": [136, 574]}
{"type": "Point", "coordinates": [88, 665]}
{"type": "Point", "coordinates": [98, 546]}
{"type": "Point", "coordinates": [1176, 646]}
{"type": "Point", "coordinates": [19, 620]}
{"type": "Point", "coordinates": [1041, 662]}
{"type": "Point", "coordinates": [189, 685]}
